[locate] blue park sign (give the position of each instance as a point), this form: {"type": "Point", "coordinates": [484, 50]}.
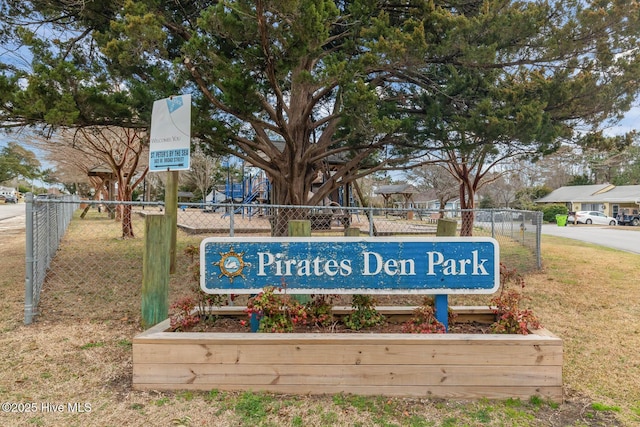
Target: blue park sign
{"type": "Point", "coordinates": [350, 265]}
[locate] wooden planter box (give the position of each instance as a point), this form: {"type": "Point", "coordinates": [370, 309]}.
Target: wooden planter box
{"type": "Point", "coordinates": [460, 366]}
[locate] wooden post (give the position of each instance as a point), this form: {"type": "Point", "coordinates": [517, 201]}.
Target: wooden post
{"type": "Point", "coordinates": [171, 211]}
{"type": "Point", "coordinates": [446, 227]}
{"type": "Point", "coordinates": [300, 228]}
{"type": "Point", "coordinates": [352, 232]}
{"type": "Point", "coordinates": [155, 271]}
{"type": "Point", "coordinates": [84, 212]}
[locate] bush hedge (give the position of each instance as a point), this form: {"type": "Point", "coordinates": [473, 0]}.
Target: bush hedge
{"type": "Point", "coordinates": [549, 212]}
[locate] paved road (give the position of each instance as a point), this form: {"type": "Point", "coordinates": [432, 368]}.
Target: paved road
{"type": "Point", "coordinates": [9, 210]}
{"type": "Point", "coordinates": [12, 216]}
{"type": "Point", "coordinates": [625, 238]}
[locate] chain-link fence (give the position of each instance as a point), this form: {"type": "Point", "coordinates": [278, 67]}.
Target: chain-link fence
{"type": "Point", "coordinates": [103, 243]}
{"type": "Point", "coordinates": [46, 222]}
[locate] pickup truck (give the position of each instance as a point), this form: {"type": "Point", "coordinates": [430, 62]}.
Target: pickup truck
{"type": "Point", "coordinates": [628, 219]}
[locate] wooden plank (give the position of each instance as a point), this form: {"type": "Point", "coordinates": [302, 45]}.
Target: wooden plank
{"type": "Point", "coordinates": [342, 339]}
{"type": "Point", "coordinates": [432, 391]}
{"type": "Point", "coordinates": [407, 375]}
{"type": "Point", "coordinates": [350, 354]}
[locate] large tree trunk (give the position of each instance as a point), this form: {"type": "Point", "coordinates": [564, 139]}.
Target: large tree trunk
{"type": "Point", "coordinates": [290, 188]}
{"type": "Point", "coordinates": [282, 194]}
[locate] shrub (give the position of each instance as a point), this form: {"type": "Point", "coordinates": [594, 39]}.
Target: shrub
{"type": "Point", "coordinates": [364, 313]}
{"type": "Point", "coordinates": [511, 318]}
{"type": "Point", "coordinates": [320, 310]}
{"type": "Point", "coordinates": [550, 212]}
{"type": "Point", "coordinates": [184, 316]}
{"type": "Point", "coordinates": [276, 312]}
{"type": "Point", "coordinates": [189, 311]}
{"type": "Point", "coordinates": [424, 320]}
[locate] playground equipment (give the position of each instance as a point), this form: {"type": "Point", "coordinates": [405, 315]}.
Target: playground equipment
{"type": "Point", "coordinates": [253, 190]}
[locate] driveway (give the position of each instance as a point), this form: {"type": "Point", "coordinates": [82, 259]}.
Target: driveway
{"type": "Point", "coordinates": [625, 238]}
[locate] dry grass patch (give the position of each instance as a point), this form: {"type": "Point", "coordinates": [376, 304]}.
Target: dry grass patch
{"type": "Point", "coordinates": [588, 296]}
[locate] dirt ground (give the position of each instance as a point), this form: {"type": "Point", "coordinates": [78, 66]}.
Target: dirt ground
{"type": "Point", "coordinates": [73, 367]}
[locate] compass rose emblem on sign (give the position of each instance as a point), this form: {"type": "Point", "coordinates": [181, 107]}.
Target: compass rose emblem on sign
{"type": "Point", "coordinates": [231, 264]}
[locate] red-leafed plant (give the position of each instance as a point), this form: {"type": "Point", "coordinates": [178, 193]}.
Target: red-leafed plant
{"type": "Point", "coordinates": [424, 320]}
{"type": "Point", "coordinates": [276, 312]}
{"type": "Point", "coordinates": [184, 315]}
{"type": "Point", "coordinates": [511, 317]}
{"type": "Point", "coordinates": [190, 311]}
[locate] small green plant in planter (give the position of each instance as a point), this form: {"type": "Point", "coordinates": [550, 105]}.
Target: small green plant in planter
{"type": "Point", "coordinates": [511, 317]}
{"type": "Point", "coordinates": [364, 313]}
{"type": "Point", "coordinates": [276, 312]}
{"type": "Point", "coordinates": [424, 320]}
{"type": "Point", "coordinates": [320, 310]}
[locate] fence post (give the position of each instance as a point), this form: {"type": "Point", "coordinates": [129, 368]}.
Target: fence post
{"type": "Point", "coordinates": [539, 219]}
{"type": "Point", "coordinates": [232, 224]}
{"type": "Point", "coordinates": [29, 259]}
{"type": "Point", "coordinates": [155, 270]}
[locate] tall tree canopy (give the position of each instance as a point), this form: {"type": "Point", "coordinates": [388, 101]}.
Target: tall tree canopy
{"type": "Point", "coordinates": [338, 88]}
{"type": "Point", "coordinates": [18, 162]}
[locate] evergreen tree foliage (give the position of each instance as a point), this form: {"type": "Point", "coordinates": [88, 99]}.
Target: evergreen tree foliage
{"type": "Point", "coordinates": [338, 90]}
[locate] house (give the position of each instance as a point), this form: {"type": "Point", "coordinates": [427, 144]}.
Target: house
{"type": "Point", "coordinates": [606, 198]}
{"type": "Point", "coordinates": [8, 191]}
{"type": "Point", "coordinates": [406, 196]}
{"type": "Point", "coordinates": [428, 201]}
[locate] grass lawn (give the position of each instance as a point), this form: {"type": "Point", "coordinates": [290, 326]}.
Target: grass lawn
{"type": "Point", "coordinates": [73, 365]}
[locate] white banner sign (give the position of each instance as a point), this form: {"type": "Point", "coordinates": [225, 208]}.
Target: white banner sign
{"type": "Point", "coordinates": [170, 144]}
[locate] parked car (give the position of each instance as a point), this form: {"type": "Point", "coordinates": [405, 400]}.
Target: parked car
{"type": "Point", "coordinates": [624, 219]}
{"type": "Point", "coordinates": [7, 198]}
{"type": "Point", "coordinates": [592, 217]}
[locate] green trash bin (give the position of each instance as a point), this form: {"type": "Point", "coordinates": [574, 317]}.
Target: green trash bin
{"type": "Point", "coordinates": [561, 220]}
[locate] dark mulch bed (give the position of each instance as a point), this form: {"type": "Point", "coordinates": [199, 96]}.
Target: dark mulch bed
{"type": "Point", "coordinates": [237, 325]}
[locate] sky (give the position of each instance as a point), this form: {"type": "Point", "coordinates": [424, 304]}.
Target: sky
{"type": "Point", "coordinates": [630, 122]}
